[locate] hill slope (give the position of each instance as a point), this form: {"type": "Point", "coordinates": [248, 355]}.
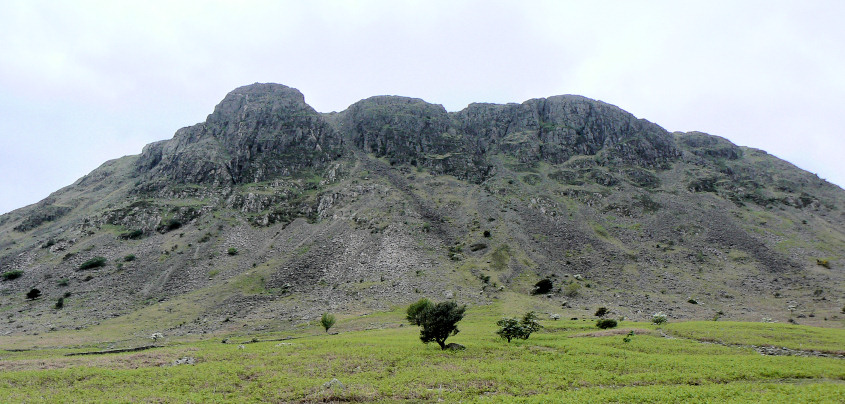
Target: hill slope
{"type": "Point", "coordinates": [270, 213]}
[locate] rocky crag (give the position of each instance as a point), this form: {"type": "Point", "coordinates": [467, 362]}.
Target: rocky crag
{"type": "Point", "coordinates": [270, 213]}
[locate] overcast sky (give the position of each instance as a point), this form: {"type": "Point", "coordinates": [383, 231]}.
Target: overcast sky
{"type": "Point", "coordinates": [82, 82]}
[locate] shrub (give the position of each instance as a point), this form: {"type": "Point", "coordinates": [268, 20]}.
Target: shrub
{"type": "Point", "coordinates": [171, 225]}
{"type": "Point", "coordinates": [60, 303]}
{"type": "Point", "coordinates": [605, 323]}
{"type": "Point", "coordinates": [132, 235]}
{"type": "Point", "coordinates": [602, 311]}
{"type": "Point", "coordinates": [33, 294]}
{"type": "Point", "coordinates": [692, 301]}
{"type": "Point", "coordinates": [9, 275]}
{"type": "Point", "coordinates": [438, 321]}
{"type": "Point", "coordinates": [542, 287]}
{"type": "Point", "coordinates": [659, 318]}
{"type": "Point", "coordinates": [95, 262]}
{"type": "Point", "coordinates": [63, 282]}
{"type": "Point", "coordinates": [512, 328]}
{"type": "Point", "coordinates": [487, 233]}
{"type": "Point", "coordinates": [824, 263]}
{"type": "Point", "coordinates": [232, 251]}
{"type": "Point", "coordinates": [128, 258]}
{"type": "Point", "coordinates": [572, 289]}
{"type": "Point", "coordinates": [327, 321]}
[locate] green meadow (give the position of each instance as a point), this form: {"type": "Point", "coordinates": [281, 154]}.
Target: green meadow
{"type": "Point", "coordinates": [374, 359]}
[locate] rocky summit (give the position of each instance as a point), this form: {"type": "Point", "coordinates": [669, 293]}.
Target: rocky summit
{"type": "Point", "coordinates": [270, 213]}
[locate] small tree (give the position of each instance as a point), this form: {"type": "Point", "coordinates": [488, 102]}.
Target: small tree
{"type": "Point", "coordinates": [522, 329]}
{"type": "Point", "coordinates": [602, 311]}
{"type": "Point", "coordinates": [438, 321]}
{"type": "Point", "coordinates": [659, 318]}
{"type": "Point", "coordinates": [33, 294]}
{"type": "Point", "coordinates": [327, 321]}
{"type": "Point", "coordinates": [509, 328]}
{"type": "Point", "coordinates": [60, 303]}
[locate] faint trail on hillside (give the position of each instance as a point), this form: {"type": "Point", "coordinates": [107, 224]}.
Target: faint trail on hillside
{"type": "Point", "coordinates": [766, 350]}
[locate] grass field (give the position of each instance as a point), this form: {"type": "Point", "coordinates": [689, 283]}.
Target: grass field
{"type": "Point", "coordinates": [568, 361]}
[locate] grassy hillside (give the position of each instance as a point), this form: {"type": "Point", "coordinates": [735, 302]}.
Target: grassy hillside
{"type": "Point", "coordinates": [378, 359]}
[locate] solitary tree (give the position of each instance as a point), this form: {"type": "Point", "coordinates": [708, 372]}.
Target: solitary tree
{"type": "Point", "coordinates": [438, 321]}
{"type": "Point", "coordinates": [327, 321]}
{"type": "Point", "coordinates": [33, 294]}
{"type": "Point", "coordinates": [602, 311]}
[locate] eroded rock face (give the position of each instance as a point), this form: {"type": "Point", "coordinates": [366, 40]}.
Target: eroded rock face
{"type": "Point", "coordinates": [411, 131]}
{"type": "Point", "coordinates": [257, 132]}
{"type": "Point", "coordinates": [557, 128]}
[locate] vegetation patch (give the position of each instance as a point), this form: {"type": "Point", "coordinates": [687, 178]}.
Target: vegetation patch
{"type": "Point", "coordinates": [9, 275]}
{"type": "Point", "coordinates": [93, 263]}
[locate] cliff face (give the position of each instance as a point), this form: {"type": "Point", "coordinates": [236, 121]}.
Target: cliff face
{"type": "Point", "coordinates": [271, 213]}
{"type": "Point", "coordinates": [256, 133]}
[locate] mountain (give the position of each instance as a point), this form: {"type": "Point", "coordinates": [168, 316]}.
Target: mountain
{"type": "Point", "coordinates": [270, 213]}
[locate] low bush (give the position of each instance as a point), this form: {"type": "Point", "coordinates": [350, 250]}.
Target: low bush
{"type": "Point", "coordinates": [95, 262]}
{"type": "Point", "coordinates": [132, 235]}
{"type": "Point", "coordinates": [9, 275]}
{"type": "Point", "coordinates": [572, 290]}
{"type": "Point", "coordinates": [605, 323]}
{"type": "Point", "coordinates": [232, 251]}
{"type": "Point", "coordinates": [60, 303]}
{"type": "Point", "coordinates": [128, 258]}
{"type": "Point", "coordinates": [659, 318]}
{"type": "Point", "coordinates": [542, 287]}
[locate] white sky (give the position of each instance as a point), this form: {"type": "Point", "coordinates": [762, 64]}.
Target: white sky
{"type": "Point", "coordinates": [82, 82]}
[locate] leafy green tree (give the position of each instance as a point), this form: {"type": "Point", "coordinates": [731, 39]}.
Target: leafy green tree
{"type": "Point", "coordinates": [602, 311]}
{"type": "Point", "coordinates": [509, 328]}
{"type": "Point", "coordinates": [438, 321]}
{"type": "Point", "coordinates": [327, 321]}
{"type": "Point", "coordinates": [512, 328]}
